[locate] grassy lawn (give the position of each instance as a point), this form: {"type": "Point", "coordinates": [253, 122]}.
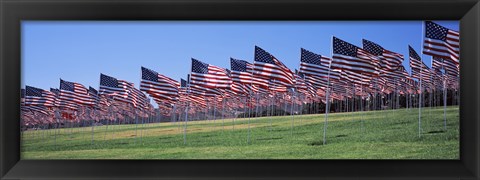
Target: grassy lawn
{"type": "Point", "coordinates": [361, 135]}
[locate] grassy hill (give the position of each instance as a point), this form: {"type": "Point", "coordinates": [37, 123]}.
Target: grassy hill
{"type": "Point", "coordinates": [389, 134]}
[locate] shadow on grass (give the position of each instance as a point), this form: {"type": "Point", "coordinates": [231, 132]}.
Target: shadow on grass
{"type": "Point", "coordinates": [435, 132]}
{"type": "Point", "coordinates": [316, 143]}
{"type": "Point", "coordinates": [266, 139]}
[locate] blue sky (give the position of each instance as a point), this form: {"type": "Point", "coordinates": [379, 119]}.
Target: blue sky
{"type": "Point", "coordinates": [79, 51]}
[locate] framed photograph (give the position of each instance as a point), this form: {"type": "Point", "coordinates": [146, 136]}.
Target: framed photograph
{"type": "Point", "coordinates": [244, 89]}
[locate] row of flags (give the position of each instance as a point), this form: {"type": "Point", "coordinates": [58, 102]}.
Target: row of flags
{"type": "Point", "coordinates": [350, 71]}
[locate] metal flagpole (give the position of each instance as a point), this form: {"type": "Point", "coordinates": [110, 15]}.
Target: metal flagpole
{"type": "Point", "coordinates": [143, 127]}
{"type": "Point", "coordinates": [326, 100]}
{"type": "Point", "coordinates": [292, 113]}
{"type": "Point", "coordinates": [272, 113]}
{"type": "Point", "coordinates": [444, 105]}
{"type": "Point", "coordinates": [136, 125]}
{"type": "Point", "coordinates": [444, 97]}
{"type": "Point", "coordinates": [57, 116]}
{"type": "Point", "coordinates": [185, 125]}
{"type": "Point", "coordinates": [106, 128]}
{"type": "Point", "coordinates": [421, 91]}
{"type": "Point", "coordinates": [93, 125]}
{"type": "Point", "coordinates": [215, 112]}
{"type": "Point", "coordinates": [431, 89]}
{"type": "Point", "coordinates": [249, 111]}
{"type": "Point", "coordinates": [361, 105]}
{"type": "Point", "coordinates": [186, 115]}
{"type": "Point", "coordinates": [223, 113]}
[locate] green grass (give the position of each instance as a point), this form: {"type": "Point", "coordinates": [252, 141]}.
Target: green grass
{"type": "Point", "coordinates": [381, 135]}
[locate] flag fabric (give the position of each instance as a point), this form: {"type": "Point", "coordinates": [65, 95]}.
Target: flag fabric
{"type": "Point", "coordinates": [391, 60]}
{"type": "Point", "coordinates": [438, 64]}
{"type": "Point", "coordinates": [349, 57]}
{"type": "Point", "coordinates": [242, 72]}
{"type": "Point", "coordinates": [239, 89]}
{"type": "Point", "coordinates": [316, 65]}
{"type": "Point", "coordinates": [113, 87]}
{"type": "Point", "coordinates": [451, 68]}
{"type": "Point", "coordinates": [416, 63]}
{"type": "Point", "coordinates": [136, 97]}
{"type": "Point", "coordinates": [57, 95]}
{"type": "Point", "coordinates": [204, 91]}
{"type": "Point", "coordinates": [39, 97]}
{"type": "Point", "coordinates": [74, 92]}
{"type": "Point", "coordinates": [266, 66]}
{"type": "Point", "coordinates": [299, 81]}
{"type": "Point", "coordinates": [159, 86]}
{"type": "Point", "coordinates": [210, 76]}
{"type": "Point", "coordinates": [93, 93]}
{"type": "Point", "coordinates": [441, 42]}
{"type": "Point", "coordinates": [275, 86]}
{"type": "Point", "coordinates": [356, 78]}
{"type": "Point", "coordinates": [36, 100]}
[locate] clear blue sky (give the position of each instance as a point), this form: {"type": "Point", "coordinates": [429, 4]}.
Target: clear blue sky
{"type": "Point", "coordinates": [79, 51]}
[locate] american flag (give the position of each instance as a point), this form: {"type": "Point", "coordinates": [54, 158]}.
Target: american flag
{"type": "Point", "coordinates": [43, 110]}
{"type": "Point", "coordinates": [311, 89]}
{"type": "Point", "coordinates": [242, 73]}
{"type": "Point", "coordinates": [300, 80]}
{"type": "Point", "coordinates": [101, 101]}
{"type": "Point", "coordinates": [441, 42]}
{"type": "Point", "coordinates": [418, 67]}
{"type": "Point", "coordinates": [74, 92]}
{"type": "Point", "coordinates": [275, 86]}
{"type": "Point", "coordinates": [391, 60]}
{"type": "Point", "coordinates": [55, 91]}
{"type": "Point", "coordinates": [316, 65]}
{"type": "Point", "coordinates": [204, 91]}
{"type": "Point", "coordinates": [136, 97]}
{"type": "Point", "coordinates": [210, 76]}
{"type": "Point", "coordinates": [183, 83]}
{"type": "Point", "coordinates": [349, 57]}
{"type": "Point", "coordinates": [316, 82]}
{"type": "Point", "coordinates": [437, 63]}
{"type": "Point", "coordinates": [357, 78]}
{"type": "Point", "coordinates": [57, 95]}
{"type": "Point", "coordinates": [239, 88]}
{"type": "Point", "coordinates": [196, 96]}
{"type": "Point", "coordinates": [451, 68]}
{"type": "Point", "coordinates": [111, 86]}
{"type": "Point", "coordinates": [93, 93]}
{"type": "Point", "coordinates": [39, 97]}
{"type": "Point", "coordinates": [266, 66]}
{"type": "Point", "coordinates": [159, 86]}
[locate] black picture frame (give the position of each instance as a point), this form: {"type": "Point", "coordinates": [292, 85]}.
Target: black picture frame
{"type": "Point", "coordinates": [14, 11]}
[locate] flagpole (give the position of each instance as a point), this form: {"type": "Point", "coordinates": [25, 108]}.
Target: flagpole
{"type": "Point", "coordinates": [249, 114]}
{"type": "Point", "coordinates": [421, 91]}
{"type": "Point", "coordinates": [326, 99]}
{"type": "Point", "coordinates": [444, 97]}
{"type": "Point", "coordinates": [186, 114]}
{"type": "Point", "coordinates": [292, 113]}
{"type": "Point", "coordinates": [361, 105]}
